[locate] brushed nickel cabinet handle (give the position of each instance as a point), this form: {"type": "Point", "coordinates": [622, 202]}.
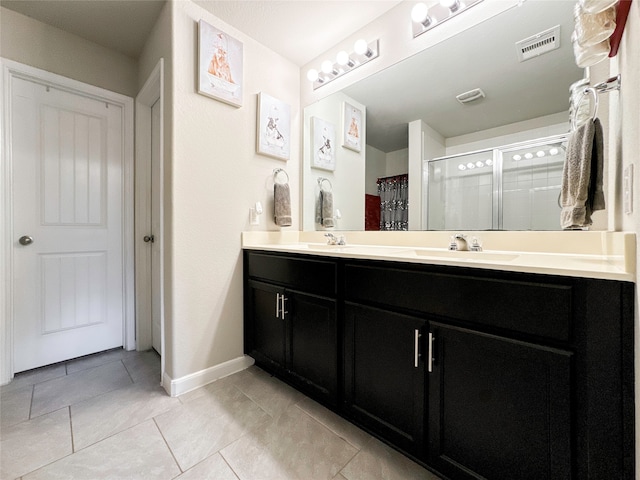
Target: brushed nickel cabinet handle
{"type": "Point", "coordinates": [416, 347]}
{"type": "Point", "coordinates": [430, 359]}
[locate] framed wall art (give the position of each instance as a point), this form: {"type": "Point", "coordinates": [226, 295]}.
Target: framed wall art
{"type": "Point", "coordinates": [324, 141]}
{"type": "Point", "coordinates": [351, 127]}
{"type": "Point", "coordinates": [220, 65]}
{"type": "Point", "coordinates": [274, 127]}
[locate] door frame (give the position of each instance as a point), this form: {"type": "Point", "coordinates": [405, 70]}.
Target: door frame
{"type": "Point", "coordinates": [151, 92]}
{"type": "Point", "coordinates": [12, 69]}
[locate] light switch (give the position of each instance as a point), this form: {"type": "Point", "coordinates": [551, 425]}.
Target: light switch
{"type": "Point", "coordinates": [627, 189]}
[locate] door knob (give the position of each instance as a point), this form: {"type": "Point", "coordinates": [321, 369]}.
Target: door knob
{"type": "Point", "coordinates": [25, 240]}
{"type": "Point", "coordinates": [149, 238]}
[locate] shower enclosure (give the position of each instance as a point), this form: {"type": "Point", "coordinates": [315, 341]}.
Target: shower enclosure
{"type": "Point", "coordinates": [514, 187]}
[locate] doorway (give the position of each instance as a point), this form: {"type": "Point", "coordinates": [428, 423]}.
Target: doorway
{"type": "Point", "coordinates": [67, 256]}
{"type": "Point", "coordinates": [149, 214]}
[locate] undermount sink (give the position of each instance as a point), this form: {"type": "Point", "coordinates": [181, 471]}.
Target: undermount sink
{"type": "Point", "coordinates": [467, 255]}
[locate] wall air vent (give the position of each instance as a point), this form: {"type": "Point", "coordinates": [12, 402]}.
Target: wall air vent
{"type": "Point", "coordinates": [538, 44]}
{"type": "Point", "coordinates": [470, 96]}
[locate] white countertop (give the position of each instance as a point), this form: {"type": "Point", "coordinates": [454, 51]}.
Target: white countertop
{"type": "Point", "coordinates": [604, 255]}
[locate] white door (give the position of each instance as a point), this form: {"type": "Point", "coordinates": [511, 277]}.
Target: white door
{"type": "Point", "coordinates": [155, 227]}
{"type": "Point", "coordinates": [68, 162]}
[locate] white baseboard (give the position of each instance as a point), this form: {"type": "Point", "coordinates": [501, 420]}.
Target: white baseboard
{"type": "Point", "coordinates": [178, 386]}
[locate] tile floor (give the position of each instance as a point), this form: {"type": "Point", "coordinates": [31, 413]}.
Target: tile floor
{"type": "Point", "coordinates": [105, 417]}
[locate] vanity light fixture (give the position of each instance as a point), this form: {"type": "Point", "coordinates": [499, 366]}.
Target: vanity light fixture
{"type": "Point", "coordinates": [462, 167]}
{"type": "Point", "coordinates": [424, 18]}
{"type": "Point", "coordinates": [528, 155]}
{"type": "Point", "coordinates": [517, 157]}
{"type": "Point", "coordinates": [363, 52]}
{"type": "Point", "coordinates": [540, 153]}
{"type": "Point", "coordinates": [553, 151]}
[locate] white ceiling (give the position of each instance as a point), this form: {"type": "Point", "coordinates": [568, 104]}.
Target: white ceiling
{"type": "Point", "coordinates": [299, 30]}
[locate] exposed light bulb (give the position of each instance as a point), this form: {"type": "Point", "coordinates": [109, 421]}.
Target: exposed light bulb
{"type": "Point", "coordinates": [452, 5]}
{"type": "Point", "coordinates": [471, 165]}
{"type": "Point", "coordinates": [479, 164]}
{"type": "Point", "coordinates": [462, 167]}
{"type": "Point", "coordinates": [528, 156]}
{"type": "Point", "coordinates": [342, 58]}
{"type": "Point", "coordinates": [489, 162]}
{"type": "Point", "coordinates": [362, 48]}
{"type": "Point", "coordinates": [517, 157]}
{"type": "Point", "coordinates": [312, 75]}
{"type": "Point", "coordinates": [540, 153]}
{"type": "Point", "coordinates": [326, 66]}
{"type": "Point", "coordinates": [553, 151]}
{"type": "Point", "coordinates": [419, 13]}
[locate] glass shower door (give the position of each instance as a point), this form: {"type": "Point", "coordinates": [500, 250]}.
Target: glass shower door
{"type": "Point", "coordinates": [460, 192]}
{"type": "Point", "coordinates": [531, 182]}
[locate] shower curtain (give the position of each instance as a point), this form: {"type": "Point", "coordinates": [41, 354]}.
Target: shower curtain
{"type": "Point", "coordinates": [394, 202]}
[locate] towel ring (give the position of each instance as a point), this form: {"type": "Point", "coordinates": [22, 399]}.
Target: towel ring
{"type": "Point", "coordinates": [277, 171]}
{"type": "Point", "coordinates": [321, 183]}
{"type": "Point", "coordinates": [585, 93]}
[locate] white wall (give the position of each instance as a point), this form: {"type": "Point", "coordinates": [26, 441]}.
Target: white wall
{"type": "Point", "coordinates": [376, 167]}
{"type": "Point", "coordinates": [216, 176]}
{"type": "Point", "coordinates": [34, 43]}
{"type": "Point", "coordinates": [397, 162]}
{"type": "Point", "coordinates": [555, 124]}
{"type": "Point", "coordinates": [347, 179]}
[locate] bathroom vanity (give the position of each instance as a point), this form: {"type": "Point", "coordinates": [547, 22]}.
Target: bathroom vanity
{"type": "Point", "coordinates": [474, 371]}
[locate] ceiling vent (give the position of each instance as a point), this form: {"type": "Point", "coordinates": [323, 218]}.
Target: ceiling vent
{"type": "Point", "coordinates": [538, 44]}
{"type": "Point", "coordinates": [470, 96]}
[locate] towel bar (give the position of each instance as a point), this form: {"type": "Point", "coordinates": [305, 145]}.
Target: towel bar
{"type": "Point", "coordinates": [277, 171]}
{"type": "Point", "coordinates": [321, 183]}
{"type": "Point", "coordinates": [608, 85]}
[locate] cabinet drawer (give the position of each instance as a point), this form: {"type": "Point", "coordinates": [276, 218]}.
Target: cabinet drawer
{"type": "Point", "coordinates": [528, 307]}
{"type": "Point", "coordinates": [305, 274]}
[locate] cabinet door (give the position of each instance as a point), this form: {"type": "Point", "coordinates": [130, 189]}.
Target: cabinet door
{"type": "Point", "coordinates": [313, 345]}
{"type": "Point", "coordinates": [266, 326]}
{"type": "Point", "coordinates": [384, 376]}
{"type": "Point", "coordinates": [498, 408]}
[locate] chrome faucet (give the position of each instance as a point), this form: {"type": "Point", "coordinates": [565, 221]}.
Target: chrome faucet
{"type": "Point", "coordinates": [475, 245]}
{"type": "Point", "coordinates": [333, 240]}
{"type": "Point", "coordinates": [459, 242]}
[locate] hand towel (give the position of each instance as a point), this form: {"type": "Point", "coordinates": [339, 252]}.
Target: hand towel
{"type": "Point", "coordinates": [581, 192]}
{"type": "Point", "coordinates": [282, 204]}
{"type": "Point", "coordinates": [326, 199]}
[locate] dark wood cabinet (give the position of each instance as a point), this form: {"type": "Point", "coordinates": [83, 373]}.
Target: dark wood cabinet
{"type": "Point", "coordinates": [477, 374]}
{"type": "Point", "coordinates": [384, 382]}
{"type": "Point", "coordinates": [290, 333]}
{"type": "Point", "coordinates": [498, 408]}
{"type": "Point", "coordinates": [268, 329]}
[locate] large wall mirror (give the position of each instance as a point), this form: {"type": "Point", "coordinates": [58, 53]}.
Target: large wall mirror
{"type": "Point", "coordinates": [521, 102]}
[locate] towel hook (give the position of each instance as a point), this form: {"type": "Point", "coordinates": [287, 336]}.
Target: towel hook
{"type": "Point", "coordinates": [321, 184]}
{"type": "Point", "coordinates": [585, 93]}
{"type": "Point", "coordinates": [277, 171]}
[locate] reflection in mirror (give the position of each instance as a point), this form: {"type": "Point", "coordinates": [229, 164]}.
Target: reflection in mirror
{"type": "Point", "coordinates": [521, 101]}
{"type": "Point", "coordinates": [514, 187]}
